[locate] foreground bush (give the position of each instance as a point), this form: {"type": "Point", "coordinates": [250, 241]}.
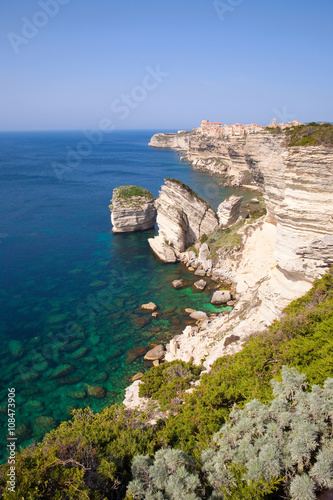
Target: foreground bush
{"type": "Point", "coordinates": [286, 447]}
{"type": "Point", "coordinates": [168, 382]}
{"type": "Point", "coordinates": [288, 441]}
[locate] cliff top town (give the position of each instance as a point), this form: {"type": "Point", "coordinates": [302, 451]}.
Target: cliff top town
{"type": "Point", "coordinates": [216, 129]}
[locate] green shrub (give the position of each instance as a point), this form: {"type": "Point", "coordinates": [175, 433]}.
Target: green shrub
{"type": "Point", "coordinates": [285, 447]}
{"type": "Point", "coordinates": [127, 192]}
{"type": "Point", "coordinates": [224, 240]}
{"type": "Point", "coordinates": [272, 444]}
{"type": "Point", "coordinates": [303, 338]}
{"type": "Point", "coordinates": [172, 476]}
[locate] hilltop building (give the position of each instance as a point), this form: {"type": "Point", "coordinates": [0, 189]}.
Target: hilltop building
{"type": "Point", "coordinates": [283, 126]}
{"type": "Point", "coordinates": [216, 129]}
{"type": "Point", "coordinates": [213, 129]}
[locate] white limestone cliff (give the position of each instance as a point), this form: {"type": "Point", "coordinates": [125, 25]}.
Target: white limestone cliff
{"type": "Point", "coordinates": [281, 253]}
{"type": "Point", "coordinates": [182, 218]}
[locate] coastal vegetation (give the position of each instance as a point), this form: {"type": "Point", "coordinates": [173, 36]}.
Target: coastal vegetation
{"type": "Point", "coordinates": [127, 192]}
{"type": "Point", "coordinates": [168, 382]}
{"type": "Point", "coordinates": [225, 240]}
{"type": "Point", "coordinates": [223, 440]}
{"type": "Point", "coordinates": [311, 134]}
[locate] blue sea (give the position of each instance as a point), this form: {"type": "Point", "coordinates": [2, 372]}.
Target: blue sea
{"type": "Point", "coordinates": [71, 330]}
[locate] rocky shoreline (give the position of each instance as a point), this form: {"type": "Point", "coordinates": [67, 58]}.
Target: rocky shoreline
{"type": "Point", "coordinates": [269, 261]}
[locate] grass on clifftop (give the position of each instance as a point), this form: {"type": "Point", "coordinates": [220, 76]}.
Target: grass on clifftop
{"type": "Point", "coordinates": [312, 134]}
{"type": "Point", "coordinates": [224, 240]}
{"type": "Point", "coordinates": [127, 192]}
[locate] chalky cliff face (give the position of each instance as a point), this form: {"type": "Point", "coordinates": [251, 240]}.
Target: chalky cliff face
{"type": "Point", "coordinates": [281, 253]}
{"type": "Point", "coordinates": [182, 217]}
{"type": "Point", "coordinates": [297, 183]}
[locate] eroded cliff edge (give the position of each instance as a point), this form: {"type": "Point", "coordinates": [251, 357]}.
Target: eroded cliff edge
{"type": "Point", "coordinates": [296, 183]}
{"type": "Point", "coordinates": [282, 253]}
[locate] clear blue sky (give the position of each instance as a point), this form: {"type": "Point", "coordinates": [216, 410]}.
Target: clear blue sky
{"type": "Point", "coordinates": [259, 59]}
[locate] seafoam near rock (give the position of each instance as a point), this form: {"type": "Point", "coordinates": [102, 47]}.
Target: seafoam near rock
{"type": "Point", "coordinates": [228, 210]}
{"type": "Point", "coordinates": [182, 217]}
{"type": "Point", "coordinates": [132, 209]}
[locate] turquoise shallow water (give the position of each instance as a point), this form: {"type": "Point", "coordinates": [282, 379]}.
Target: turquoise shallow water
{"type": "Point", "coordinates": [70, 291]}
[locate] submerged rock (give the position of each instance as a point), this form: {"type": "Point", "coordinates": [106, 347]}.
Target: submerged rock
{"type": "Point", "coordinates": [16, 348]}
{"type": "Point", "coordinates": [43, 424]}
{"type": "Point", "coordinates": [22, 432]}
{"type": "Point", "coordinates": [62, 371]}
{"type": "Point", "coordinates": [79, 353]}
{"type": "Point", "coordinates": [198, 315]}
{"type": "Point", "coordinates": [78, 395]}
{"type": "Point", "coordinates": [68, 381]}
{"type": "Point", "coordinates": [134, 354]}
{"type": "Point", "coordinates": [101, 377]}
{"type": "Point", "coordinates": [132, 209]}
{"type": "Point", "coordinates": [95, 391]}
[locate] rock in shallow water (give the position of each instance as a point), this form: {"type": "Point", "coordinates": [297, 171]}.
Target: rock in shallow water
{"type": "Point", "coordinates": [132, 209]}
{"type": "Point", "coordinates": [177, 284]}
{"type": "Point", "coordinates": [95, 391]}
{"type": "Point", "coordinates": [78, 395]}
{"type": "Point", "coordinates": [162, 250]}
{"type": "Point", "coordinates": [200, 285]}
{"type": "Point", "coordinates": [198, 315]}
{"type": "Point", "coordinates": [155, 353]}
{"type": "Point", "coordinates": [62, 370]}
{"type": "Point", "coordinates": [16, 348]}
{"type": "Point", "coordinates": [137, 377]}
{"type": "Point", "coordinates": [149, 307]}
{"type": "Point", "coordinates": [43, 424]}
{"type": "Point", "coordinates": [221, 297]}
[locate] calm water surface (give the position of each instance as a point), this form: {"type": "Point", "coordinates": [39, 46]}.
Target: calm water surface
{"type": "Point", "coordinates": [69, 289]}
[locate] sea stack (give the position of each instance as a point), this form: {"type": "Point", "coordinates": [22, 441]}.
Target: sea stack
{"type": "Point", "coordinates": [182, 217]}
{"type": "Point", "coordinates": [132, 209]}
